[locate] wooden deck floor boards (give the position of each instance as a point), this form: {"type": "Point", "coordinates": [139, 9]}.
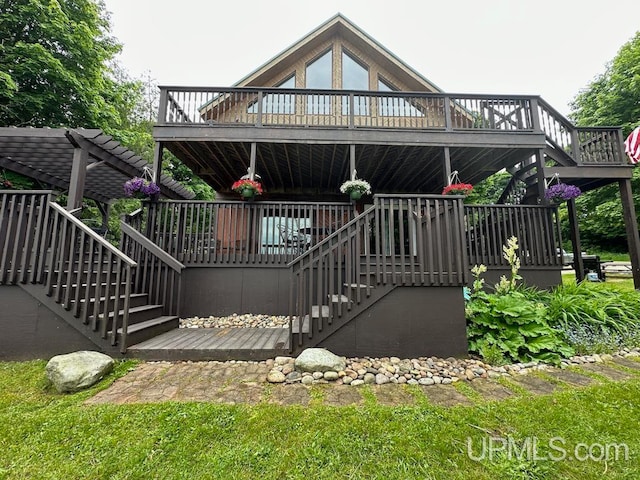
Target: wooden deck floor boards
{"type": "Point", "coordinates": [214, 344]}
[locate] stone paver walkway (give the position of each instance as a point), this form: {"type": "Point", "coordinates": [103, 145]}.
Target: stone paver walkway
{"type": "Point", "coordinates": [232, 383]}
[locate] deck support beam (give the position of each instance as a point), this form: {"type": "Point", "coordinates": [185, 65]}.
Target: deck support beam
{"type": "Point", "coordinates": [78, 177]}
{"type": "Point", "coordinates": [252, 161]}
{"type": "Point", "coordinates": [447, 166]}
{"type": "Point", "coordinates": [158, 151]}
{"type": "Point", "coordinates": [540, 178]}
{"type": "Point", "coordinates": [352, 161]}
{"type": "Point", "coordinates": [631, 225]}
{"type": "Point", "coordinates": [574, 232]}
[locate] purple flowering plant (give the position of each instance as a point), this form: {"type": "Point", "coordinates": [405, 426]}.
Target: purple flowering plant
{"type": "Point", "coordinates": [561, 192]}
{"type": "Point", "coordinates": [140, 188]}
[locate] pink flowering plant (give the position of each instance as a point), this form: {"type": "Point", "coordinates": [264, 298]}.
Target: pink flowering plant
{"type": "Point", "coordinates": [140, 188]}
{"type": "Point", "coordinates": [561, 192]}
{"type": "Point", "coordinates": [247, 187]}
{"type": "Point", "coordinates": [458, 189]}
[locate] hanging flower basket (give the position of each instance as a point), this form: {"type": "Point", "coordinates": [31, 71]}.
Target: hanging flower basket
{"type": "Point", "coordinates": [141, 188]}
{"type": "Point", "coordinates": [561, 192]}
{"type": "Point", "coordinates": [463, 189]}
{"type": "Point", "coordinates": [247, 188]}
{"type": "Point", "coordinates": [356, 188]}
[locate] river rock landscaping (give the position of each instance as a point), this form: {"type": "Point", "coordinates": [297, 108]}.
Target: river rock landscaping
{"type": "Point", "coordinates": [418, 371]}
{"type": "Point", "coordinates": [386, 370]}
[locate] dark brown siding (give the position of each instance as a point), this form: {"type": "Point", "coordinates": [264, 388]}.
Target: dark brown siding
{"type": "Point", "coordinates": [223, 291]}
{"type": "Point", "coordinates": [408, 322]}
{"type": "Point", "coordinates": [30, 330]}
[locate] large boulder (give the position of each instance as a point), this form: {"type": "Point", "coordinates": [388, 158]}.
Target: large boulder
{"type": "Point", "coordinates": [319, 360]}
{"type": "Point", "coordinates": [78, 370]}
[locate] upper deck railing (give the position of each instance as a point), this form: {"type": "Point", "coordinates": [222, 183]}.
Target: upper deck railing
{"type": "Point", "coordinates": [343, 108]}
{"type": "Point", "coordinates": [279, 107]}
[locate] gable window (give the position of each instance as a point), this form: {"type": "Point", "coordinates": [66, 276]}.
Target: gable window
{"type": "Point", "coordinates": [319, 76]}
{"type": "Point", "coordinates": [354, 77]}
{"type": "Point", "coordinates": [395, 106]}
{"type": "Point", "coordinates": [277, 102]}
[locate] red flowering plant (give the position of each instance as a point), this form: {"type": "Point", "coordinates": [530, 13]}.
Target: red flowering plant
{"type": "Point", "coordinates": [247, 188]}
{"type": "Point", "coordinates": [458, 189]}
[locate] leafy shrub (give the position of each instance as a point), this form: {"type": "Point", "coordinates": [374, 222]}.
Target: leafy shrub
{"type": "Point", "coordinates": [512, 320]}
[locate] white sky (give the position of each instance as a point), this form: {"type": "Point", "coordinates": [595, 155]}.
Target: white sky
{"type": "Point", "coordinates": [552, 48]}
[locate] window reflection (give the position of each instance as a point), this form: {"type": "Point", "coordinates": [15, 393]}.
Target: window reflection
{"type": "Point", "coordinates": [319, 76]}
{"type": "Point", "coordinates": [395, 106]}
{"type": "Point", "coordinates": [277, 102]}
{"type": "Point", "coordinates": [354, 77]}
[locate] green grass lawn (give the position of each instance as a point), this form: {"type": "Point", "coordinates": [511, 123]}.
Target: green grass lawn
{"type": "Point", "coordinates": [46, 435]}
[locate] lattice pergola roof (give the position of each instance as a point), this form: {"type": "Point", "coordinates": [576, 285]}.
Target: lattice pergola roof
{"type": "Point", "coordinates": [46, 155]}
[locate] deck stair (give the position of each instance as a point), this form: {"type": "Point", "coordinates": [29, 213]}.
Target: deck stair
{"type": "Point", "coordinates": [352, 269]}
{"type": "Point", "coordinates": [567, 146]}
{"type": "Point", "coordinates": [99, 290]}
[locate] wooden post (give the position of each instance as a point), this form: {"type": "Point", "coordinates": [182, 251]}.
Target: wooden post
{"type": "Point", "coordinates": [78, 177]}
{"type": "Point", "coordinates": [448, 124]}
{"type": "Point", "coordinates": [540, 179]}
{"type": "Point", "coordinates": [252, 161]}
{"type": "Point", "coordinates": [352, 160]}
{"type": "Point", "coordinates": [447, 165]}
{"type": "Point", "coordinates": [631, 225]}
{"type": "Point", "coordinates": [574, 232]}
{"type": "Point", "coordinates": [158, 150]}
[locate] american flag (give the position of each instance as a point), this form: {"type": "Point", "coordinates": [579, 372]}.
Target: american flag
{"type": "Point", "coordinates": [632, 145]}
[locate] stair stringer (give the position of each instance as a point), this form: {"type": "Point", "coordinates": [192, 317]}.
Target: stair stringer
{"type": "Point", "coordinates": [339, 321]}
{"type": "Point", "coordinates": [38, 292]}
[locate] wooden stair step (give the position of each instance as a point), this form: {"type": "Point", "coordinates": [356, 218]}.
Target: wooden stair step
{"type": "Point", "coordinates": [139, 332]}
{"type": "Point", "coordinates": [358, 285]}
{"type": "Point", "coordinates": [339, 298]}
{"type": "Point", "coordinates": [295, 325]}
{"type": "Point", "coordinates": [139, 314]}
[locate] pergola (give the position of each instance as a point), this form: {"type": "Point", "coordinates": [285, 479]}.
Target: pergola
{"type": "Point", "coordinates": [84, 163]}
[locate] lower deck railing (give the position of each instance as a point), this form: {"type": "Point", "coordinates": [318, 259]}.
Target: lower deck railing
{"type": "Point", "coordinates": [488, 227]}
{"type": "Point", "coordinates": [239, 233]}
{"type": "Point", "coordinates": [275, 233]}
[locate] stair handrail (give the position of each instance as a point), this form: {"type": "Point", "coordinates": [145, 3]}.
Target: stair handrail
{"type": "Point", "coordinates": [125, 258]}
{"type": "Point", "coordinates": [63, 256]}
{"type": "Point", "coordinates": [143, 241]}
{"type": "Point", "coordinates": [329, 237]}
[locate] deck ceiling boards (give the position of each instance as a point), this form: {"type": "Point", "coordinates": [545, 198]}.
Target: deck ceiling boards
{"type": "Point", "coordinates": [291, 167]}
{"type": "Point", "coordinates": [46, 155]}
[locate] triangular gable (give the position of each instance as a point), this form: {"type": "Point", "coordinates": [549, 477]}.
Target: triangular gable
{"type": "Point", "coordinates": [338, 28]}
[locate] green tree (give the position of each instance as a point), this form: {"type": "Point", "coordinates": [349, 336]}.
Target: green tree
{"type": "Point", "coordinates": [613, 98]}
{"type": "Point", "coordinates": [54, 57]}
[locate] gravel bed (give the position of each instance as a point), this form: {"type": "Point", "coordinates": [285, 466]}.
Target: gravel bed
{"type": "Point", "coordinates": [246, 320]}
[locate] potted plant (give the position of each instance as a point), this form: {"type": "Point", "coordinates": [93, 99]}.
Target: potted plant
{"type": "Point", "coordinates": [141, 188]}
{"type": "Point", "coordinates": [463, 189]}
{"type": "Point", "coordinates": [247, 188]}
{"type": "Point", "coordinates": [6, 184]}
{"type": "Point", "coordinates": [561, 192]}
{"type": "Point", "coordinates": [356, 188]}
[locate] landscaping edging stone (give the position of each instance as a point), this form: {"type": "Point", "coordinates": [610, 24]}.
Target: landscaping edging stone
{"type": "Point", "coordinates": [423, 371]}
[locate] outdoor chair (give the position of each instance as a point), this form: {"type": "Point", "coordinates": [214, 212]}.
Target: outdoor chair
{"type": "Point", "coordinates": [294, 240]}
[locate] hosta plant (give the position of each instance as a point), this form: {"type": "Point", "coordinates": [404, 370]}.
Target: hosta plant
{"type": "Point", "coordinates": [510, 321]}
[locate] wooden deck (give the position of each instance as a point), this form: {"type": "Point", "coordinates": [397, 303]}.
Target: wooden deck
{"type": "Point", "coordinates": [214, 344]}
